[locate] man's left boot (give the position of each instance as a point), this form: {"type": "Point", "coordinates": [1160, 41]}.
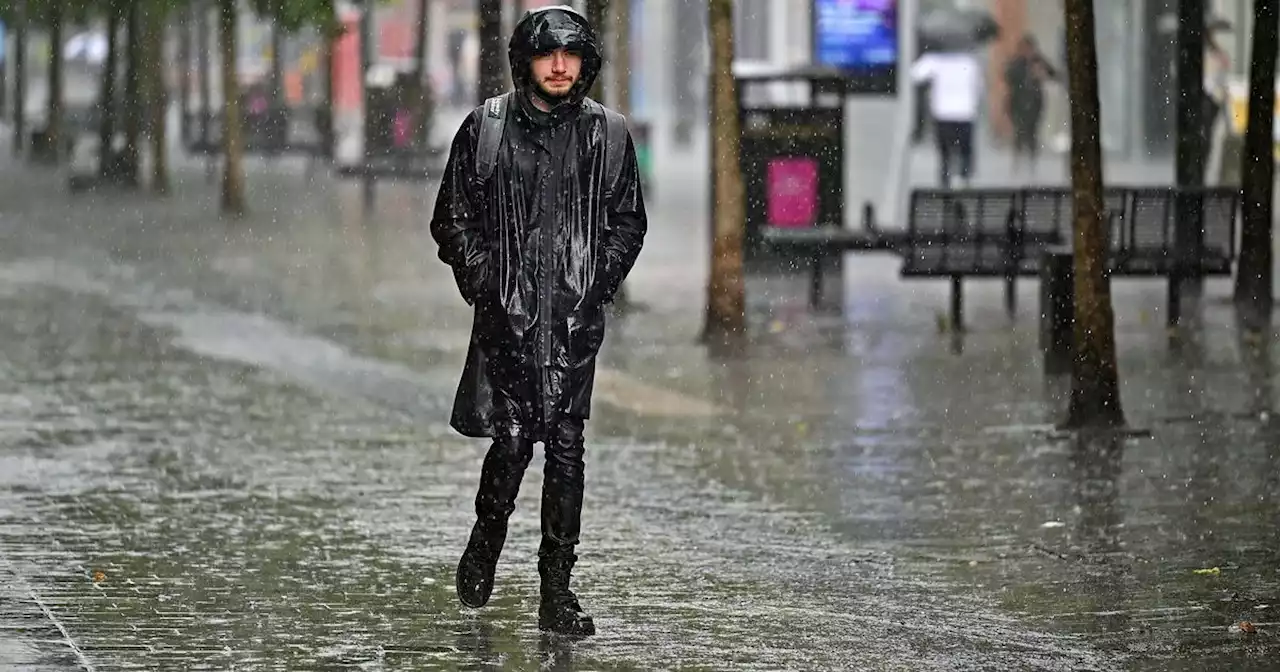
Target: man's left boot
{"type": "Point", "coordinates": [500, 478]}
{"type": "Point", "coordinates": [562, 485]}
{"type": "Point", "coordinates": [559, 610]}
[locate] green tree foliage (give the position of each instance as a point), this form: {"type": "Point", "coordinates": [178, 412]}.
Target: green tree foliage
{"type": "Point", "coordinates": [291, 14]}
{"type": "Point", "coordinates": [294, 14]}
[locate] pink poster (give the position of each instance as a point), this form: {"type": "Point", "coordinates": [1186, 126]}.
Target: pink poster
{"type": "Point", "coordinates": [402, 128]}
{"type": "Point", "coordinates": [791, 185]}
{"type": "Point", "coordinates": [258, 104]}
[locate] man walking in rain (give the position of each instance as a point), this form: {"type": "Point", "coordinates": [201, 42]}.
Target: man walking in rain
{"type": "Point", "coordinates": [541, 217]}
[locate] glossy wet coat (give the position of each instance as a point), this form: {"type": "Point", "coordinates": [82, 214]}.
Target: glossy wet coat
{"type": "Point", "coordinates": [540, 247]}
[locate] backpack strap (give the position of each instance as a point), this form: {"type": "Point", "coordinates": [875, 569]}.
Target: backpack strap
{"type": "Point", "coordinates": [615, 148]}
{"type": "Point", "coordinates": [494, 120]}
{"type": "Point", "coordinates": [492, 123]}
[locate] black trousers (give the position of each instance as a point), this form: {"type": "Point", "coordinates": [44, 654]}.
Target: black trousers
{"type": "Point", "coordinates": [955, 144]}
{"type": "Point", "coordinates": [1026, 134]}
{"type": "Point", "coordinates": [562, 485]}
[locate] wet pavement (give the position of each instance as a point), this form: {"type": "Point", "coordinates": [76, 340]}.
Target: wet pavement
{"type": "Point", "coordinates": [222, 446]}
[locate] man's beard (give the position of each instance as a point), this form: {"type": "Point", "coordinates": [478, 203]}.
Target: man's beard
{"type": "Point", "coordinates": [552, 99]}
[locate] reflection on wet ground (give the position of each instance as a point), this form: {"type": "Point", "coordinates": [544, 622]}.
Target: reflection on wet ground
{"type": "Point", "coordinates": [222, 447]}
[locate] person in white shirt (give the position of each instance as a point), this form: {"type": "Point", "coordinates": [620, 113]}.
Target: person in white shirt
{"type": "Point", "coordinates": [955, 93]}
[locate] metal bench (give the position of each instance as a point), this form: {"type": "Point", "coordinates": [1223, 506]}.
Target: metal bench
{"type": "Point", "coordinates": [1147, 245]}
{"type": "Point", "coordinates": [820, 244]}
{"type": "Point", "coordinates": [1141, 231]}
{"type": "Point", "coordinates": [409, 166]}
{"type": "Point", "coordinates": [1001, 233]}
{"type": "Point", "coordinates": [993, 233]}
{"type": "Point", "coordinates": [1144, 244]}
{"type": "Point", "coordinates": [272, 133]}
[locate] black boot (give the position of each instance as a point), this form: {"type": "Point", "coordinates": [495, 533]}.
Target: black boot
{"type": "Point", "coordinates": [559, 611]}
{"type": "Point", "coordinates": [562, 485]}
{"type": "Point", "coordinates": [500, 478]}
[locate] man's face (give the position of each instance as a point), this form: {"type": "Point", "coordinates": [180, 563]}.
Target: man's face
{"type": "Point", "coordinates": [555, 73]}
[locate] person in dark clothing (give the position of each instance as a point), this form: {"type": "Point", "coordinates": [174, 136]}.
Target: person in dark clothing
{"type": "Point", "coordinates": [1025, 76]}
{"type": "Point", "coordinates": [538, 247]}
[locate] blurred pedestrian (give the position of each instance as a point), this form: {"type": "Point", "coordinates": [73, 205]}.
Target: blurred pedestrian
{"type": "Point", "coordinates": [920, 101]}
{"type": "Point", "coordinates": [540, 215]}
{"type": "Point", "coordinates": [1025, 77]}
{"type": "Point", "coordinates": [1217, 70]}
{"type": "Point", "coordinates": [955, 89]}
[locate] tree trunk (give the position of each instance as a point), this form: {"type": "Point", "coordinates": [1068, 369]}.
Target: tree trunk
{"type": "Point", "coordinates": [1095, 388]}
{"type": "Point", "coordinates": [326, 80]}
{"type": "Point", "coordinates": [203, 53]}
{"type": "Point", "coordinates": [107, 104]}
{"type": "Point", "coordinates": [53, 123]}
{"type": "Point", "coordinates": [368, 56]}
{"type": "Point", "coordinates": [277, 63]}
{"type": "Point", "coordinates": [493, 67]}
{"type": "Point", "coordinates": [425, 100]}
{"type": "Point", "coordinates": [620, 28]}
{"type": "Point", "coordinates": [1192, 142]}
{"type": "Point", "coordinates": [185, 58]}
{"type": "Point", "coordinates": [726, 293]}
{"type": "Point", "coordinates": [133, 105]}
{"type": "Point", "coordinates": [420, 48]}
{"type": "Point", "coordinates": [20, 79]}
{"type": "Point", "coordinates": [233, 197]}
{"type": "Point", "coordinates": [1253, 294]}
{"type": "Point", "coordinates": [4, 85]}
{"type": "Point", "coordinates": [157, 97]}
{"type": "Point", "coordinates": [620, 58]}
{"type": "Point", "coordinates": [596, 17]}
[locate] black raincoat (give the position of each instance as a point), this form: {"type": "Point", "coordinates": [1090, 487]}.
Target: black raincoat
{"type": "Point", "coordinates": [537, 249]}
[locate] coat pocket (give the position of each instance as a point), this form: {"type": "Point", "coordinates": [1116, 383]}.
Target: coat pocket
{"type": "Point", "coordinates": [586, 335]}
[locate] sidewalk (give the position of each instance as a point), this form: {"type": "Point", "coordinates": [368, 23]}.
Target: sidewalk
{"type": "Point", "coordinates": [266, 398]}
{"type": "Point", "coordinates": [310, 503]}
{"type": "Point", "coordinates": [308, 253]}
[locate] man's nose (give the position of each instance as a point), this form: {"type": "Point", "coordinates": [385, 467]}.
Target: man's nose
{"type": "Point", "coordinates": [558, 61]}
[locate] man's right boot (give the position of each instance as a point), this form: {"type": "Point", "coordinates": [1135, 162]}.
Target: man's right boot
{"type": "Point", "coordinates": [500, 477]}
{"type": "Point", "coordinates": [558, 609]}
{"type": "Point", "coordinates": [562, 484]}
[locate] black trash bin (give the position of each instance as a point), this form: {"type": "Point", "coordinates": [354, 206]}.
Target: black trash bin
{"type": "Point", "coordinates": [792, 153]}
{"type": "Point", "coordinates": [398, 122]}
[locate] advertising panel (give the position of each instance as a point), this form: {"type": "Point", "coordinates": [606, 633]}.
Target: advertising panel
{"type": "Point", "coordinates": [859, 38]}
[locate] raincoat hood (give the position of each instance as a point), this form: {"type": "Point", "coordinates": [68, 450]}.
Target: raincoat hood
{"type": "Point", "coordinates": [546, 29]}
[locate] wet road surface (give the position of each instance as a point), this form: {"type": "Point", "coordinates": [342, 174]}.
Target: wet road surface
{"type": "Point", "coordinates": [223, 448]}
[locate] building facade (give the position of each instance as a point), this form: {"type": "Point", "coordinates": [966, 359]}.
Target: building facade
{"type": "Point", "coordinates": [1136, 40]}
{"type": "Point", "coordinates": [1137, 50]}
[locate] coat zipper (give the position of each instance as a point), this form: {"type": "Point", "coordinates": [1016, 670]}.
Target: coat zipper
{"type": "Point", "coordinates": [545, 291]}
{"type": "Point", "coordinates": [545, 311]}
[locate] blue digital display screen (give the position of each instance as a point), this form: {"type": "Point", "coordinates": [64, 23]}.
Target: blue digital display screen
{"type": "Point", "coordinates": [855, 34]}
